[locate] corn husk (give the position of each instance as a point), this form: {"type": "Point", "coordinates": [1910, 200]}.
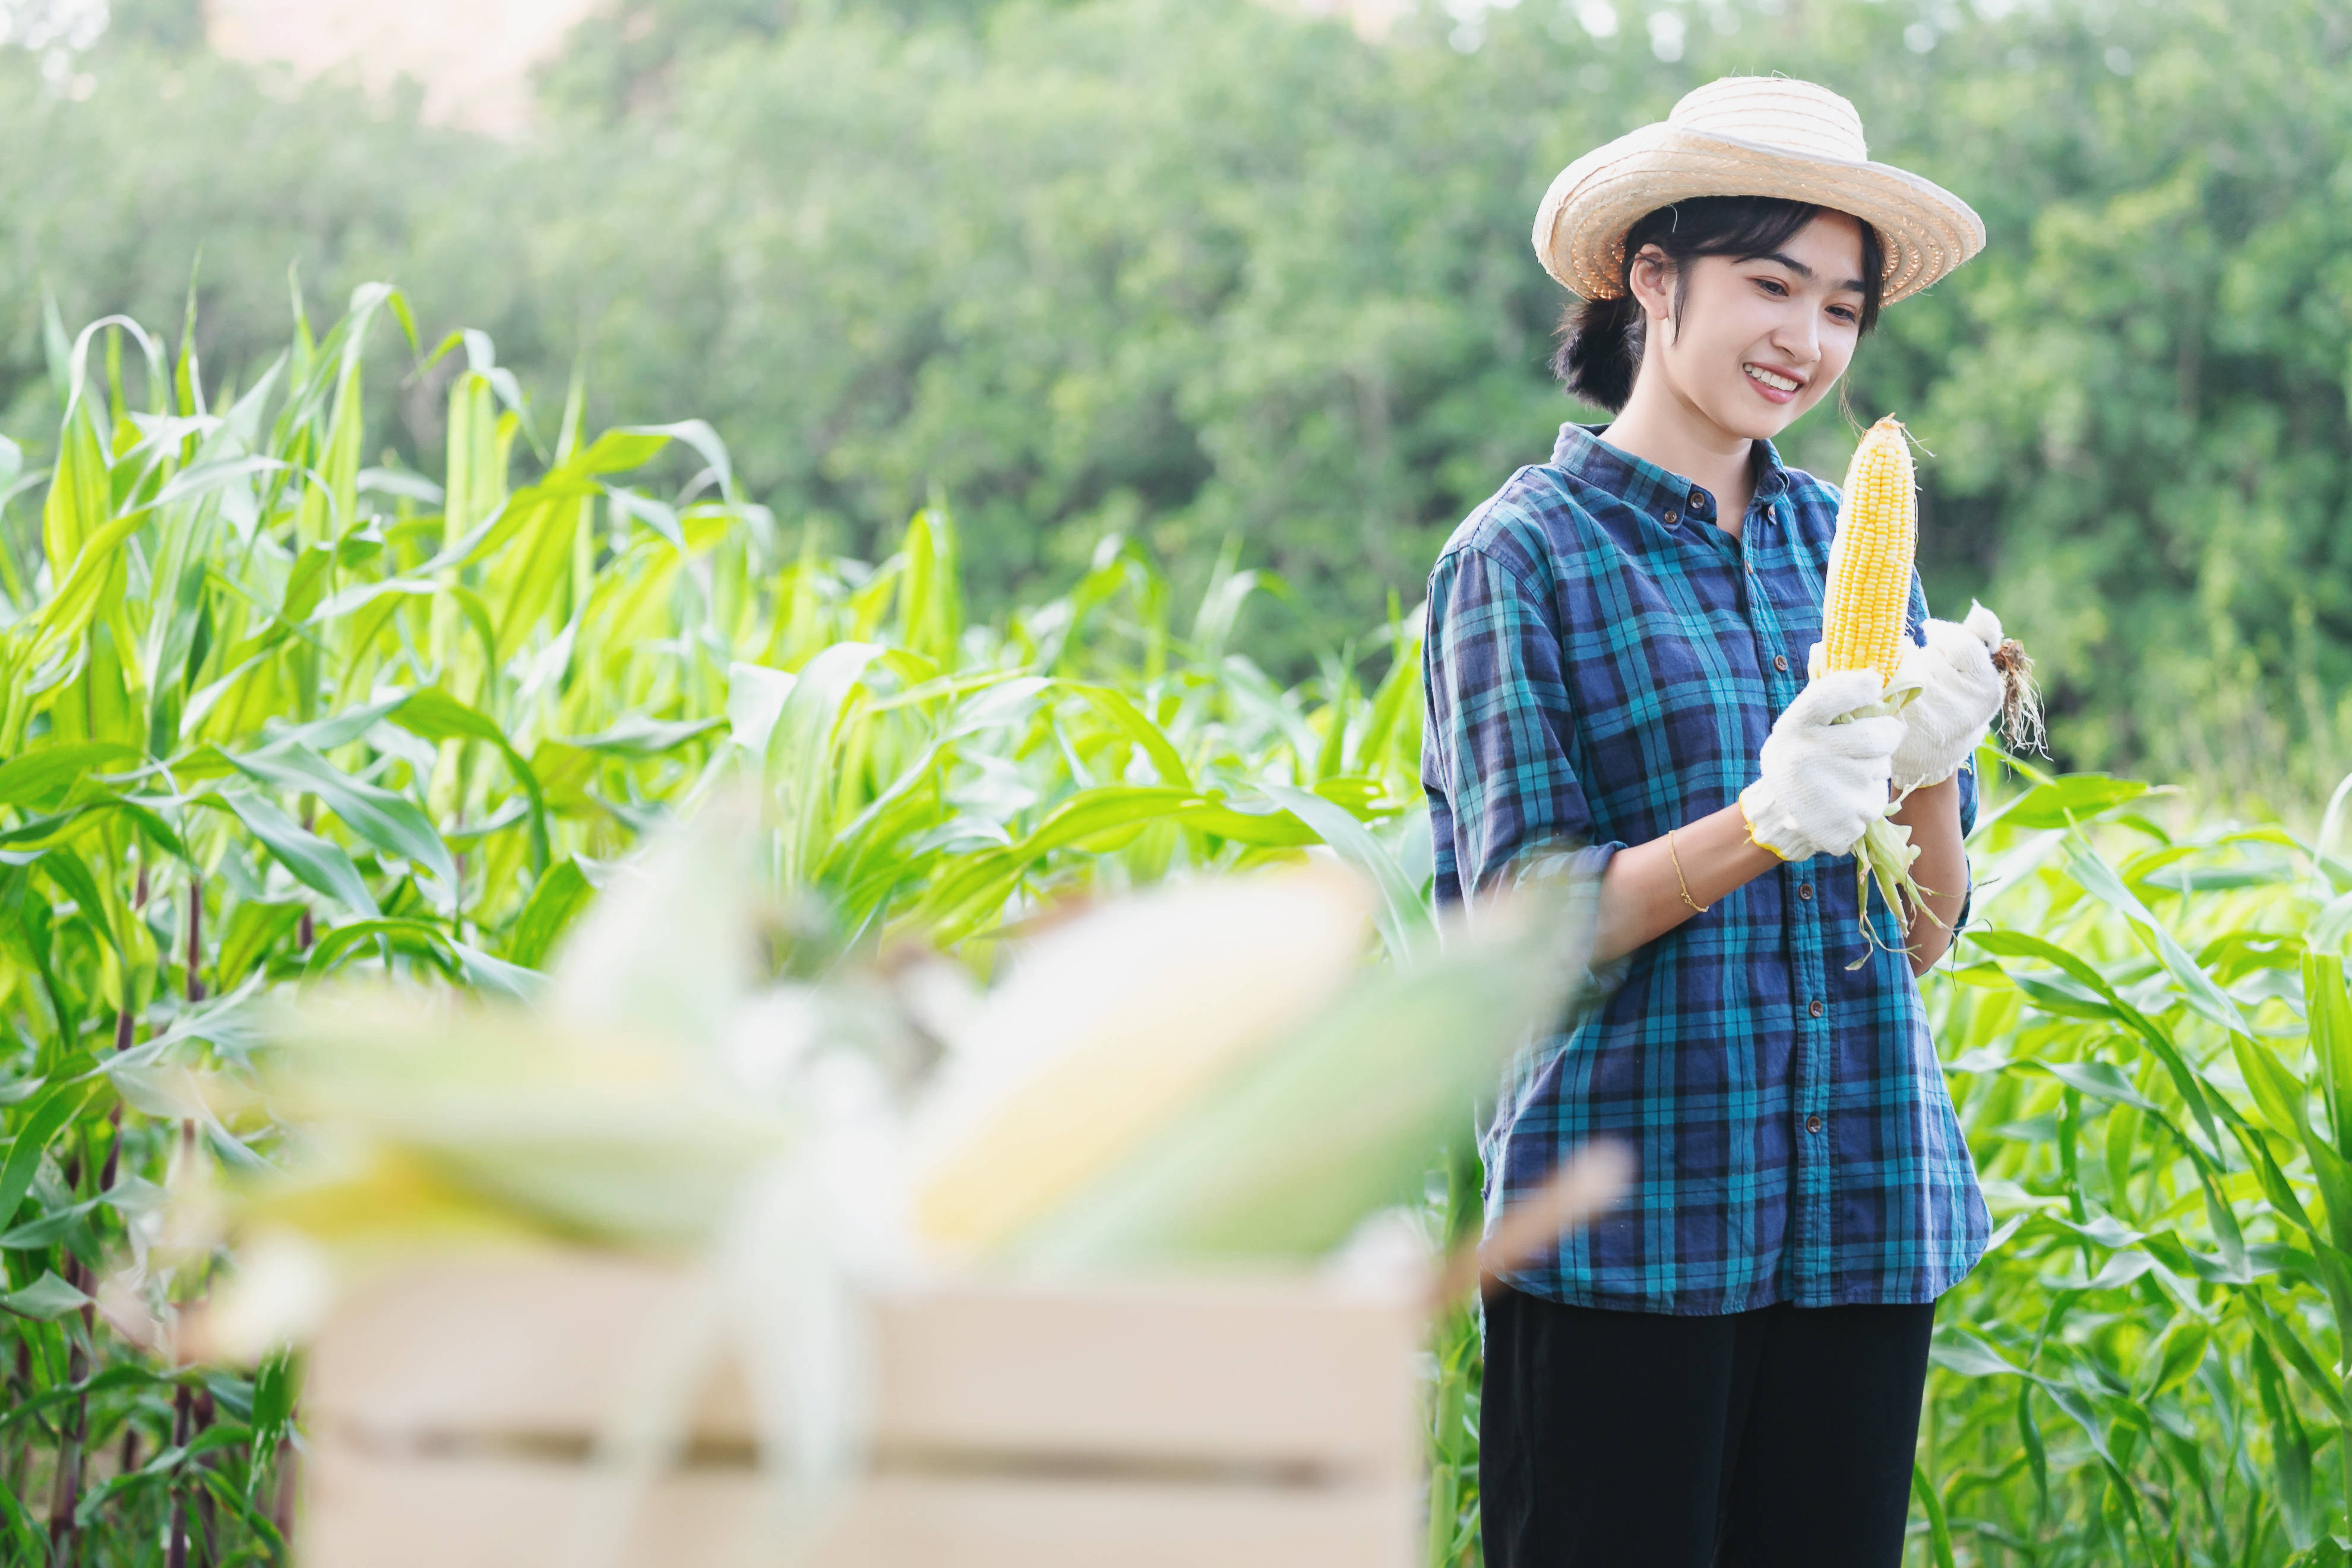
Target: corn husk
{"type": "Point", "coordinates": [1341, 1118]}
{"type": "Point", "coordinates": [1115, 1026]}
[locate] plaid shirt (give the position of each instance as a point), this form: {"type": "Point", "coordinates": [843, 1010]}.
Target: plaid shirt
{"type": "Point", "coordinates": [1603, 664]}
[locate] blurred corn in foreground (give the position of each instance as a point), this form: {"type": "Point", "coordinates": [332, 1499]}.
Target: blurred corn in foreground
{"type": "Point", "coordinates": [676, 1262]}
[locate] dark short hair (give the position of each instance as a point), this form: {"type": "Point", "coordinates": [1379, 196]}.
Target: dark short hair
{"type": "Point", "coordinates": [1599, 348]}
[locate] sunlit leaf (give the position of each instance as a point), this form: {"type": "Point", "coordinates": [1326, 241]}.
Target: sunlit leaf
{"type": "Point", "coordinates": [47, 1296]}
{"type": "Point", "coordinates": [389, 821]}
{"type": "Point", "coordinates": [315, 862]}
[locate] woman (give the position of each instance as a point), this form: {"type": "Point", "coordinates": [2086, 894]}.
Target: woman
{"type": "Point", "coordinates": [1728, 1368]}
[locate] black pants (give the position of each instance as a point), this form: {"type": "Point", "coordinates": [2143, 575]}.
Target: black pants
{"type": "Point", "coordinates": [1637, 1440]}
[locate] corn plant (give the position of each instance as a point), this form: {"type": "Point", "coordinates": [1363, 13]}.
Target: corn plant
{"type": "Point", "coordinates": [2150, 1043]}
{"type": "Point", "coordinates": [269, 714]}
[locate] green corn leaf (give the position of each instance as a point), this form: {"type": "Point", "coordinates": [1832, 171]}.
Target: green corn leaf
{"type": "Point", "coordinates": [79, 500]}
{"type": "Point", "coordinates": [2191, 1088]}
{"type": "Point", "coordinates": [535, 573]}
{"type": "Point", "coordinates": [2331, 925]}
{"type": "Point", "coordinates": [47, 1117]}
{"type": "Point", "coordinates": [39, 1235]}
{"type": "Point", "coordinates": [45, 1297]}
{"type": "Point", "coordinates": [417, 938]}
{"type": "Point", "coordinates": [67, 869]}
{"type": "Point", "coordinates": [2290, 1448]}
{"type": "Point", "coordinates": [2099, 879]}
{"type": "Point", "coordinates": [554, 904]}
{"type": "Point", "coordinates": [2068, 800]}
{"type": "Point", "coordinates": [1939, 1533]}
{"type": "Point", "coordinates": [2029, 1433]}
{"type": "Point", "coordinates": [2280, 1335]}
{"type": "Point", "coordinates": [30, 1541]}
{"type": "Point", "coordinates": [89, 584]}
{"type": "Point", "coordinates": [637, 736]}
{"type": "Point", "coordinates": [755, 700]}
{"type": "Point", "coordinates": [39, 778]}
{"type": "Point", "coordinates": [699, 435]}
{"type": "Point", "coordinates": [1402, 919]}
{"type": "Point", "coordinates": [1971, 1355]}
{"type": "Point", "coordinates": [612, 452]}
{"type": "Point", "coordinates": [315, 862]}
{"type": "Point", "coordinates": [391, 822]}
{"type": "Point", "coordinates": [797, 767]}
{"type": "Point", "coordinates": [931, 600]}
{"type": "Point", "coordinates": [1110, 815]}
{"type": "Point", "coordinates": [2183, 1351]}
{"type": "Point", "coordinates": [2277, 1094]}
{"type": "Point", "coordinates": [2102, 1079]}
{"type": "Point", "coordinates": [2328, 1006]}
{"type": "Point", "coordinates": [1114, 706]}
{"type": "Point", "coordinates": [336, 729]}
{"type": "Point", "coordinates": [254, 926]}
{"type": "Point", "coordinates": [495, 976]}
{"type": "Point", "coordinates": [1245, 822]}
{"type": "Point", "coordinates": [435, 715]}
{"type": "Point", "coordinates": [2078, 1409]}
{"type": "Point", "coordinates": [2275, 1185]}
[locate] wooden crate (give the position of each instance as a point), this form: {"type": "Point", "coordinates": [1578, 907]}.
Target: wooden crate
{"type": "Point", "coordinates": [1232, 1423]}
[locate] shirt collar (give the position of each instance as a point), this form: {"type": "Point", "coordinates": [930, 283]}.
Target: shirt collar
{"type": "Point", "coordinates": [1581, 451]}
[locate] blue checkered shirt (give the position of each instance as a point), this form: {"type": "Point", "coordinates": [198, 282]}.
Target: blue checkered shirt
{"type": "Point", "coordinates": [1603, 664]}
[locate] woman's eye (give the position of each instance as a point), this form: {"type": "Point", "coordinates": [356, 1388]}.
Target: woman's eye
{"type": "Point", "coordinates": [1844, 314]}
{"type": "Point", "coordinates": [1773, 287]}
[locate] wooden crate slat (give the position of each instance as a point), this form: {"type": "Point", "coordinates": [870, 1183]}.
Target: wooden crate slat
{"type": "Point", "coordinates": [521, 1345]}
{"type": "Point", "coordinates": [1269, 1371]}
{"type": "Point", "coordinates": [372, 1511]}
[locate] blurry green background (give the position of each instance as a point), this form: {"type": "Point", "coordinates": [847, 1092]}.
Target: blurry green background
{"type": "Point", "coordinates": [1201, 270]}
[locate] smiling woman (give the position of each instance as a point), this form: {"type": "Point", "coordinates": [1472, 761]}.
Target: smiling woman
{"type": "Point", "coordinates": [1728, 1368]}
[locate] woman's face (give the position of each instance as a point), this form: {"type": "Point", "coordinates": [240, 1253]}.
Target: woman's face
{"type": "Point", "coordinates": [1760, 340]}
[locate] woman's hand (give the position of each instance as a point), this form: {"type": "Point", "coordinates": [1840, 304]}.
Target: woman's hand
{"type": "Point", "coordinates": [1822, 783]}
{"type": "Point", "coordinates": [1959, 691]}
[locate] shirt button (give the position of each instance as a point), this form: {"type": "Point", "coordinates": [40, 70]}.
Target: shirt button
{"type": "Point", "coordinates": [1781, 662]}
{"type": "Point", "coordinates": [1699, 499]}
{"type": "Point", "coordinates": [1812, 1124]}
{"type": "Point", "coordinates": [1805, 891]}
{"type": "Point", "coordinates": [1673, 518]}
{"type": "Point", "coordinates": [1814, 1006]}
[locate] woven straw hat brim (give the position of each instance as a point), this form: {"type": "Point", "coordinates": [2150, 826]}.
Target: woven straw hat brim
{"type": "Point", "coordinates": [1579, 233]}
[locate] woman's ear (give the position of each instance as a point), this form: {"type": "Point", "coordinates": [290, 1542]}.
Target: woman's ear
{"type": "Point", "coordinates": [1652, 280]}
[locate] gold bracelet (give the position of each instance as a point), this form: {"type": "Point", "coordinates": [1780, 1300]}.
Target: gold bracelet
{"type": "Point", "coordinates": [1697, 907]}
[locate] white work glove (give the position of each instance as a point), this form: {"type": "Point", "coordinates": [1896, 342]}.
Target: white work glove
{"type": "Point", "coordinates": [1959, 691]}
{"type": "Point", "coordinates": [1823, 784]}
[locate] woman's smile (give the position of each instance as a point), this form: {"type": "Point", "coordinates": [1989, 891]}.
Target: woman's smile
{"type": "Point", "coordinates": [1774, 386]}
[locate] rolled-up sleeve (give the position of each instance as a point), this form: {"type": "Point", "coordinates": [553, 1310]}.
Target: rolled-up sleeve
{"type": "Point", "coordinates": [1495, 758]}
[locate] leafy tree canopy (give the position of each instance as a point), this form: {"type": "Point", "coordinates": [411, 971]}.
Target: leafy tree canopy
{"type": "Point", "coordinates": [1206, 271]}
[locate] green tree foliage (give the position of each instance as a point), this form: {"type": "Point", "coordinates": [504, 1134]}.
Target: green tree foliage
{"type": "Point", "coordinates": [1208, 270]}
{"type": "Point", "coordinates": [177, 24]}
{"type": "Point", "coordinates": [621, 59]}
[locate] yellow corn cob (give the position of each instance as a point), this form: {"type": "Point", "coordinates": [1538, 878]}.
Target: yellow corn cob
{"type": "Point", "coordinates": [1870, 558]}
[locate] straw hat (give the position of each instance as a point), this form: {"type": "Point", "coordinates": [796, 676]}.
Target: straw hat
{"type": "Point", "coordinates": [1749, 136]}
